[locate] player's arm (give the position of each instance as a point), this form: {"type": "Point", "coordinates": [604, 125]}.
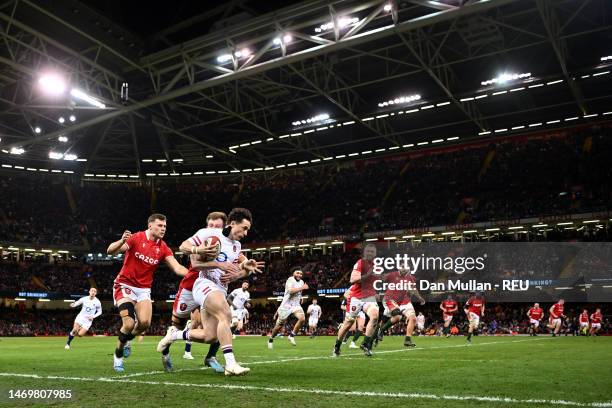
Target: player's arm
{"type": "Point", "coordinates": [455, 308]}
{"type": "Point", "coordinates": [416, 294]}
{"type": "Point", "coordinates": [296, 290]}
{"type": "Point", "coordinates": [309, 310]}
{"type": "Point", "coordinates": [466, 308]}
{"type": "Point", "coordinates": [482, 310]}
{"type": "Point", "coordinates": [120, 246]}
{"type": "Point", "coordinates": [98, 311]}
{"type": "Point", "coordinates": [78, 302]}
{"type": "Point", "coordinates": [250, 265]}
{"type": "Point", "coordinates": [175, 266]}
{"type": "Point", "coordinates": [528, 313]}
{"type": "Point", "coordinates": [552, 310]}
{"type": "Point", "coordinates": [355, 276]}
{"type": "Point", "coordinates": [442, 308]}
{"type": "Point", "coordinates": [230, 298]}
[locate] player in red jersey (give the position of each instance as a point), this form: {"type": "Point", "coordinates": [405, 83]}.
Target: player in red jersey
{"type": "Point", "coordinates": [535, 315]}
{"type": "Point", "coordinates": [362, 296]}
{"type": "Point", "coordinates": [398, 304]}
{"type": "Point", "coordinates": [474, 310]}
{"type": "Point", "coordinates": [449, 307]}
{"type": "Point", "coordinates": [595, 322]}
{"type": "Point", "coordinates": [556, 314]}
{"type": "Point", "coordinates": [583, 320]}
{"type": "Point", "coordinates": [185, 306]}
{"type": "Point", "coordinates": [144, 251]}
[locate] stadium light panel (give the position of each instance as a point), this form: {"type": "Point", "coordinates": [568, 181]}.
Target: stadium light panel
{"type": "Point", "coordinates": [388, 7]}
{"type": "Point", "coordinates": [37, 130]}
{"type": "Point", "coordinates": [61, 119]}
{"type": "Point", "coordinates": [505, 77]}
{"type": "Point", "coordinates": [243, 53]}
{"type": "Point", "coordinates": [400, 100]}
{"type": "Point", "coordinates": [72, 118]}
{"type": "Point", "coordinates": [223, 58]}
{"type": "Point", "coordinates": [55, 155]}
{"type": "Point", "coordinates": [52, 84]}
{"type": "Point", "coordinates": [17, 150]}
{"type": "Point", "coordinates": [77, 93]}
{"type": "Point", "coordinates": [62, 139]}
{"type": "Point", "coordinates": [607, 58]}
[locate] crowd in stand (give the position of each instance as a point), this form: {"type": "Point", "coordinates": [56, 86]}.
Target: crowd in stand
{"type": "Point", "coordinates": [565, 172]}
{"type": "Point", "coordinates": [508, 318]}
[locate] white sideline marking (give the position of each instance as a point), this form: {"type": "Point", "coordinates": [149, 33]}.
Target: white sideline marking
{"type": "Point", "coordinates": [325, 392]}
{"type": "Point", "coordinates": [290, 359]}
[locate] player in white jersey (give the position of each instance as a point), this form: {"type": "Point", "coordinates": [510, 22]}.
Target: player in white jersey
{"type": "Point", "coordinates": [291, 305]}
{"type": "Point", "coordinates": [90, 309]}
{"type": "Point", "coordinates": [239, 301]}
{"type": "Point", "coordinates": [420, 323]}
{"type": "Point", "coordinates": [210, 289]}
{"type": "Point", "coordinates": [314, 313]}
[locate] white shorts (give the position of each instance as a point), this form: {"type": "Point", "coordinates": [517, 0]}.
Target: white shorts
{"type": "Point", "coordinates": [582, 324]}
{"type": "Point", "coordinates": [361, 315]}
{"type": "Point", "coordinates": [407, 310]}
{"type": "Point", "coordinates": [203, 287]}
{"type": "Point", "coordinates": [184, 304]}
{"type": "Point", "coordinates": [421, 326]}
{"type": "Point", "coordinates": [595, 325]}
{"type": "Point", "coordinates": [474, 319]}
{"type": "Point", "coordinates": [83, 321]}
{"type": "Point", "coordinates": [313, 322]}
{"type": "Point", "coordinates": [535, 322]}
{"type": "Point", "coordinates": [121, 290]}
{"type": "Point", "coordinates": [284, 313]}
{"type": "Point", "coordinates": [354, 306]}
{"type": "Point", "coordinates": [238, 314]}
{"type": "Point", "coordinates": [447, 318]}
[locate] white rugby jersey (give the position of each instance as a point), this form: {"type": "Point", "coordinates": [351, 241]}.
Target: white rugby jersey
{"type": "Point", "coordinates": [230, 251]}
{"type": "Point", "coordinates": [314, 311]}
{"type": "Point", "coordinates": [240, 298]}
{"type": "Point", "coordinates": [289, 300]}
{"type": "Point", "coordinates": [90, 307]}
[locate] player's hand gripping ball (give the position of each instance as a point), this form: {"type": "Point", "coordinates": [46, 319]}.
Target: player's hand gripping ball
{"type": "Point", "coordinates": [210, 249]}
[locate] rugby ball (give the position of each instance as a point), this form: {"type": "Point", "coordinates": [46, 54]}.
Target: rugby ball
{"type": "Point", "coordinates": [212, 241]}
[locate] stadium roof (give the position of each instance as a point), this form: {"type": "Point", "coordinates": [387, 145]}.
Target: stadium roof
{"type": "Point", "coordinates": [238, 88]}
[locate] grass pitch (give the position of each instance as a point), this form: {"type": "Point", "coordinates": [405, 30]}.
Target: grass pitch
{"type": "Point", "coordinates": [440, 372]}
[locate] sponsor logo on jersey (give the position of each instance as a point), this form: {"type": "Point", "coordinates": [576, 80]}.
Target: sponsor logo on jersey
{"type": "Point", "coordinates": [147, 259]}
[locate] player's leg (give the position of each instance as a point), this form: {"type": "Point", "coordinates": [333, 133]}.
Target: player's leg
{"type": "Point", "coordinates": [73, 332]}
{"type": "Point", "coordinates": [204, 330]}
{"type": "Point", "coordinates": [474, 321]}
{"type": "Point", "coordinates": [447, 323]}
{"type": "Point", "coordinates": [217, 307]}
{"type": "Point", "coordinates": [82, 331]}
{"type": "Point", "coordinates": [209, 322]}
{"type": "Point", "coordinates": [411, 321]}
{"type": "Point", "coordinates": [393, 317]}
{"type": "Point", "coordinates": [144, 311]}
{"type": "Point", "coordinates": [350, 332]}
{"type": "Point", "coordinates": [127, 312]}
{"type": "Point", "coordinates": [349, 321]}
{"type": "Point", "coordinates": [359, 328]}
{"type": "Point", "coordinates": [283, 315]}
{"type": "Point", "coordinates": [299, 315]}
{"type": "Point", "coordinates": [196, 323]}
{"type": "Point", "coordinates": [371, 310]}
{"type": "Point", "coordinates": [178, 323]}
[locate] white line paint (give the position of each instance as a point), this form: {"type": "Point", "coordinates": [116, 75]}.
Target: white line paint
{"type": "Point", "coordinates": [399, 395]}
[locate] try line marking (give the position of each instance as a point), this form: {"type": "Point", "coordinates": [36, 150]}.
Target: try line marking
{"type": "Point", "coordinates": [399, 395]}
